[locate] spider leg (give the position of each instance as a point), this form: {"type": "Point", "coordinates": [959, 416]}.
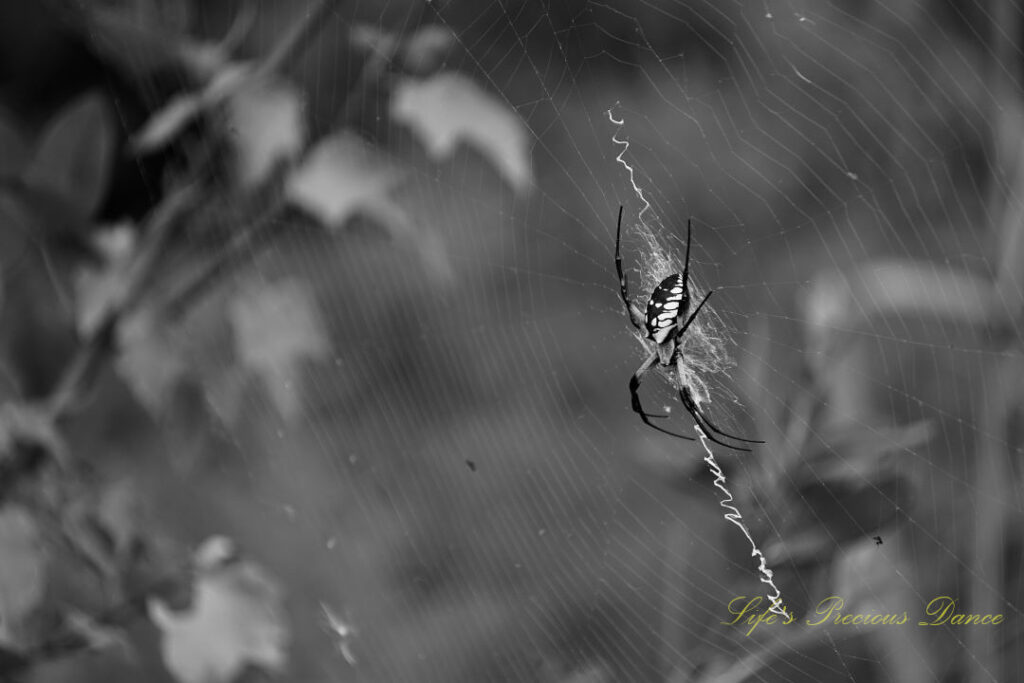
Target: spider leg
{"type": "Point", "coordinates": [705, 424]}
{"type": "Point", "coordinates": [716, 430]}
{"type": "Point", "coordinates": [686, 265]}
{"type": "Point", "coordinates": [634, 386]}
{"type": "Point", "coordinates": [682, 329]}
{"type": "Point", "coordinates": [698, 419]}
{"type": "Point", "coordinates": [636, 317]}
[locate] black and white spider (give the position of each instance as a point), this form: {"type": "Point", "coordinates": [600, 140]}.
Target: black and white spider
{"type": "Point", "coordinates": [663, 328]}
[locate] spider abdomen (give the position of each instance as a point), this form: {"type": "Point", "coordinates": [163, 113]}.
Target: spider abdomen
{"type": "Point", "coordinates": [668, 302]}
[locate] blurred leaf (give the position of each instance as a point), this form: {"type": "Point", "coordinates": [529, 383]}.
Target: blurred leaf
{"type": "Point", "coordinates": [139, 39]}
{"type": "Point", "coordinates": [150, 361]}
{"type": "Point", "coordinates": [339, 177]}
{"type": "Point", "coordinates": [215, 552]}
{"type": "Point", "coordinates": [591, 673]}
{"type": "Point", "coordinates": [236, 619]}
{"type": "Point", "coordinates": [839, 302]}
{"type": "Point", "coordinates": [425, 51]}
{"type": "Point", "coordinates": [449, 108]}
{"type": "Point", "coordinates": [97, 291]}
{"type": "Point", "coordinates": [368, 38]}
{"type": "Point", "coordinates": [266, 127]}
{"type": "Point", "coordinates": [95, 635]}
{"type": "Point", "coordinates": [88, 540]}
{"type": "Point", "coordinates": [205, 60]}
{"type": "Point", "coordinates": [277, 328]}
{"type": "Point", "coordinates": [116, 242]}
{"type": "Point", "coordinates": [157, 356]}
{"type": "Point", "coordinates": [25, 425]}
{"type": "Point", "coordinates": [851, 484]}
{"type": "Point", "coordinates": [856, 454]}
{"type": "Point", "coordinates": [343, 176]}
{"type": "Point", "coordinates": [73, 157]}
{"type": "Point", "coordinates": [224, 393]}
{"type": "Point", "coordinates": [866, 576]}
{"type": "Point", "coordinates": [118, 512]}
{"type": "Point", "coordinates": [22, 568]}
{"type": "Point", "coordinates": [1009, 284]}
{"type": "Point", "coordinates": [799, 547]}
{"type": "Point", "coordinates": [164, 126]}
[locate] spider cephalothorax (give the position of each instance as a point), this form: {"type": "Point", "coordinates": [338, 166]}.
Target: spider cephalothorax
{"type": "Point", "coordinates": [663, 326]}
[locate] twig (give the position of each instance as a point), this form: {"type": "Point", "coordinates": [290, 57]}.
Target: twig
{"type": "Point", "coordinates": [244, 243]}
{"type": "Point", "coordinates": [91, 355]}
{"type": "Point", "coordinates": [297, 37]}
{"type": "Point", "coordinates": [997, 397]}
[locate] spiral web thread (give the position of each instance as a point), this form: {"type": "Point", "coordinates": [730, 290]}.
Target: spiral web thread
{"type": "Point", "coordinates": [703, 353]}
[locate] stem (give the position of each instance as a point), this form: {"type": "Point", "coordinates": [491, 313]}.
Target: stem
{"type": "Point", "coordinates": [87, 361]}
{"type": "Point", "coordinates": [297, 36]}
{"type": "Point", "coordinates": [209, 273]}
{"type": "Point", "coordinates": [994, 480]}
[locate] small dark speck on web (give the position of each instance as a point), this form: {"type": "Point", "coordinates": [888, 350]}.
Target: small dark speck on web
{"type": "Point", "coordinates": [878, 540]}
{"type": "Point", "coordinates": [471, 465]}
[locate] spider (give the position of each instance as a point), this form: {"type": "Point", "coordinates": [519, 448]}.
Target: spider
{"type": "Point", "coordinates": [663, 327]}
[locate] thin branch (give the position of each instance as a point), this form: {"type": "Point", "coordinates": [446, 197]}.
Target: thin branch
{"type": "Point", "coordinates": [297, 37]}
{"type": "Point", "coordinates": [90, 356]}
{"type": "Point", "coordinates": [243, 244]}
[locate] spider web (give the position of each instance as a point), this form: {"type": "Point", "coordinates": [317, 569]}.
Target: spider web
{"type": "Point", "coordinates": [470, 487]}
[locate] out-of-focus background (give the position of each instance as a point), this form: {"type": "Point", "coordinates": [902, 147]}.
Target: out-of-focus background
{"type": "Point", "coordinates": [314, 366]}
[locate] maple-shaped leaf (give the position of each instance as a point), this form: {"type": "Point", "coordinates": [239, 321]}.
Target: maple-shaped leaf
{"type": "Point", "coordinates": [266, 127]}
{"type": "Point", "coordinates": [236, 619]}
{"type": "Point", "coordinates": [341, 176]}
{"type": "Point", "coordinates": [277, 329]}
{"type": "Point", "coordinates": [22, 568]}
{"type": "Point", "coordinates": [72, 159]}
{"type": "Point", "coordinates": [448, 108]}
